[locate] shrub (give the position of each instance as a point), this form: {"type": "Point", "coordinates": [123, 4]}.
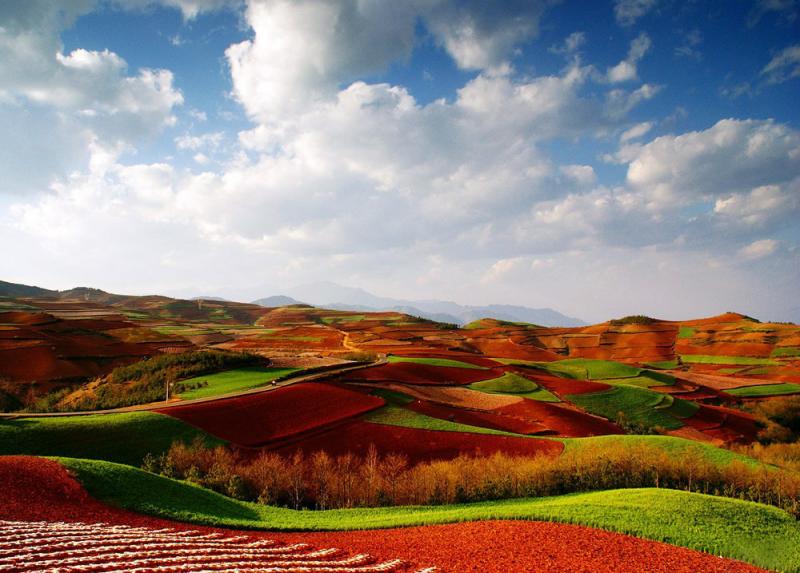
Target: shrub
{"type": "Point", "coordinates": [322, 481]}
{"type": "Point", "coordinates": [147, 380]}
{"type": "Point", "coordinates": [633, 319]}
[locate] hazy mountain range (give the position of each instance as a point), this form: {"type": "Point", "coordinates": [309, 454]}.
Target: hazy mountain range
{"type": "Point", "coordinates": [335, 296]}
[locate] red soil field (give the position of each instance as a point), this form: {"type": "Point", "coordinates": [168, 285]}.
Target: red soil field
{"type": "Point", "coordinates": [256, 419]}
{"type": "Point", "coordinates": [494, 420]}
{"type": "Point", "coordinates": [724, 424]}
{"type": "Point", "coordinates": [411, 373]}
{"type": "Point", "coordinates": [565, 386]}
{"type": "Point", "coordinates": [561, 419]}
{"type": "Point", "coordinates": [528, 547]}
{"type": "Point", "coordinates": [418, 445]}
{"type": "Point", "coordinates": [27, 318]}
{"type": "Point", "coordinates": [714, 348]}
{"type": "Point", "coordinates": [504, 347]}
{"type": "Point", "coordinates": [41, 490]}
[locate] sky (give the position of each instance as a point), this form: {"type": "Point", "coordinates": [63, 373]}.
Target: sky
{"type": "Point", "coordinates": [600, 158]}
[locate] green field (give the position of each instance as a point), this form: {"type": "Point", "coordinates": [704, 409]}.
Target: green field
{"type": "Point", "coordinates": [583, 368]}
{"type": "Point", "coordinates": [124, 438]}
{"type": "Point", "coordinates": [743, 360]}
{"type": "Point", "coordinates": [343, 318]}
{"type": "Point", "coordinates": [785, 352]}
{"type": "Point", "coordinates": [678, 408]}
{"type": "Point", "coordinates": [393, 397]}
{"type": "Point", "coordinates": [663, 365]}
{"type": "Point", "coordinates": [759, 534]}
{"type": "Point", "coordinates": [234, 380]}
{"type": "Point", "coordinates": [765, 390]}
{"type": "Point", "coordinates": [510, 383]}
{"type": "Point", "coordinates": [686, 332]}
{"type": "Point", "coordinates": [394, 416]}
{"type": "Point", "coordinates": [435, 362]}
{"type": "Point", "coordinates": [638, 405]}
{"type": "Point", "coordinates": [646, 379]}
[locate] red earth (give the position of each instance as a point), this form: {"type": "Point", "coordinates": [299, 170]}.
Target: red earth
{"type": "Point", "coordinates": [255, 419]}
{"type": "Point", "coordinates": [563, 420]}
{"type": "Point", "coordinates": [419, 445]}
{"type": "Point", "coordinates": [495, 419]}
{"type": "Point", "coordinates": [566, 386]}
{"type": "Point", "coordinates": [35, 489]}
{"type": "Point", "coordinates": [424, 374]}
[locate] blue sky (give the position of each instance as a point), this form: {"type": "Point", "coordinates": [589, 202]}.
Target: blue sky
{"type": "Point", "coordinates": [603, 158]}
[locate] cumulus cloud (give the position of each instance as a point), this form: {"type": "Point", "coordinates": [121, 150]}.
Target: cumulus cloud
{"type": "Point", "coordinates": [627, 12]}
{"type": "Point", "coordinates": [761, 205]}
{"type": "Point", "coordinates": [759, 249]}
{"type": "Point", "coordinates": [189, 8]}
{"type": "Point", "coordinates": [481, 35]}
{"type": "Point", "coordinates": [732, 156]}
{"type": "Point", "coordinates": [87, 94]}
{"type": "Point", "coordinates": [626, 71]}
{"type": "Point", "coordinates": [303, 49]}
{"type": "Point", "coordinates": [581, 174]}
{"type": "Point", "coordinates": [783, 66]}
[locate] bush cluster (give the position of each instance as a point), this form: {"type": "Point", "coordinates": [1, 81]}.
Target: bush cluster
{"type": "Point", "coordinates": [633, 319]}
{"type": "Point", "coordinates": [320, 481]}
{"type": "Point", "coordinates": [146, 381]}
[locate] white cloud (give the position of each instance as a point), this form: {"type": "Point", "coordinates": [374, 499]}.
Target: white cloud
{"type": "Point", "coordinates": [761, 205]}
{"type": "Point", "coordinates": [635, 132]}
{"type": "Point", "coordinates": [570, 46]}
{"type": "Point", "coordinates": [189, 8]}
{"type": "Point", "coordinates": [481, 35]}
{"type": "Point", "coordinates": [85, 94]}
{"type": "Point", "coordinates": [195, 142]}
{"type": "Point", "coordinates": [627, 12]}
{"type": "Point", "coordinates": [759, 249]}
{"type": "Point", "coordinates": [303, 50]}
{"type": "Point", "coordinates": [581, 174]}
{"type": "Point", "coordinates": [626, 71]}
{"type": "Point", "coordinates": [733, 156]}
{"type": "Point", "coordinates": [783, 66]}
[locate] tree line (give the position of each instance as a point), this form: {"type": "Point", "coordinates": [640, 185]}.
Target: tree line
{"type": "Point", "coordinates": [321, 481]}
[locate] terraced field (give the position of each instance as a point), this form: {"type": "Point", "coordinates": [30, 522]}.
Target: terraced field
{"type": "Point", "coordinates": [436, 395]}
{"type": "Point", "coordinates": [755, 533]}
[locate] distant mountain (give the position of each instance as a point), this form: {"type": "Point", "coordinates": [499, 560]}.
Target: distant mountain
{"type": "Point", "coordinates": [335, 296]}
{"type": "Point", "coordinates": [277, 300]}
{"type": "Point", "coordinates": [14, 290]}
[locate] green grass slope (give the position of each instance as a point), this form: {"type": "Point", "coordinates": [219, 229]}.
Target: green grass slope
{"type": "Point", "coordinates": [638, 405]}
{"type": "Point", "coordinates": [435, 362]}
{"type": "Point", "coordinates": [234, 380]}
{"type": "Point", "coordinates": [510, 383]}
{"type": "Point", "coordinates": [581, 368]}
{"type": "Point", "coordinates": [765, 390]}
{"type": "Point", "coordinates": [395, 416]}
{"type": "Point", "coordinates": [759, 534]}
{"type": "Point", "coordinates": [124, 438]}
{"type": "Point", "coordinates": [743, 360]}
